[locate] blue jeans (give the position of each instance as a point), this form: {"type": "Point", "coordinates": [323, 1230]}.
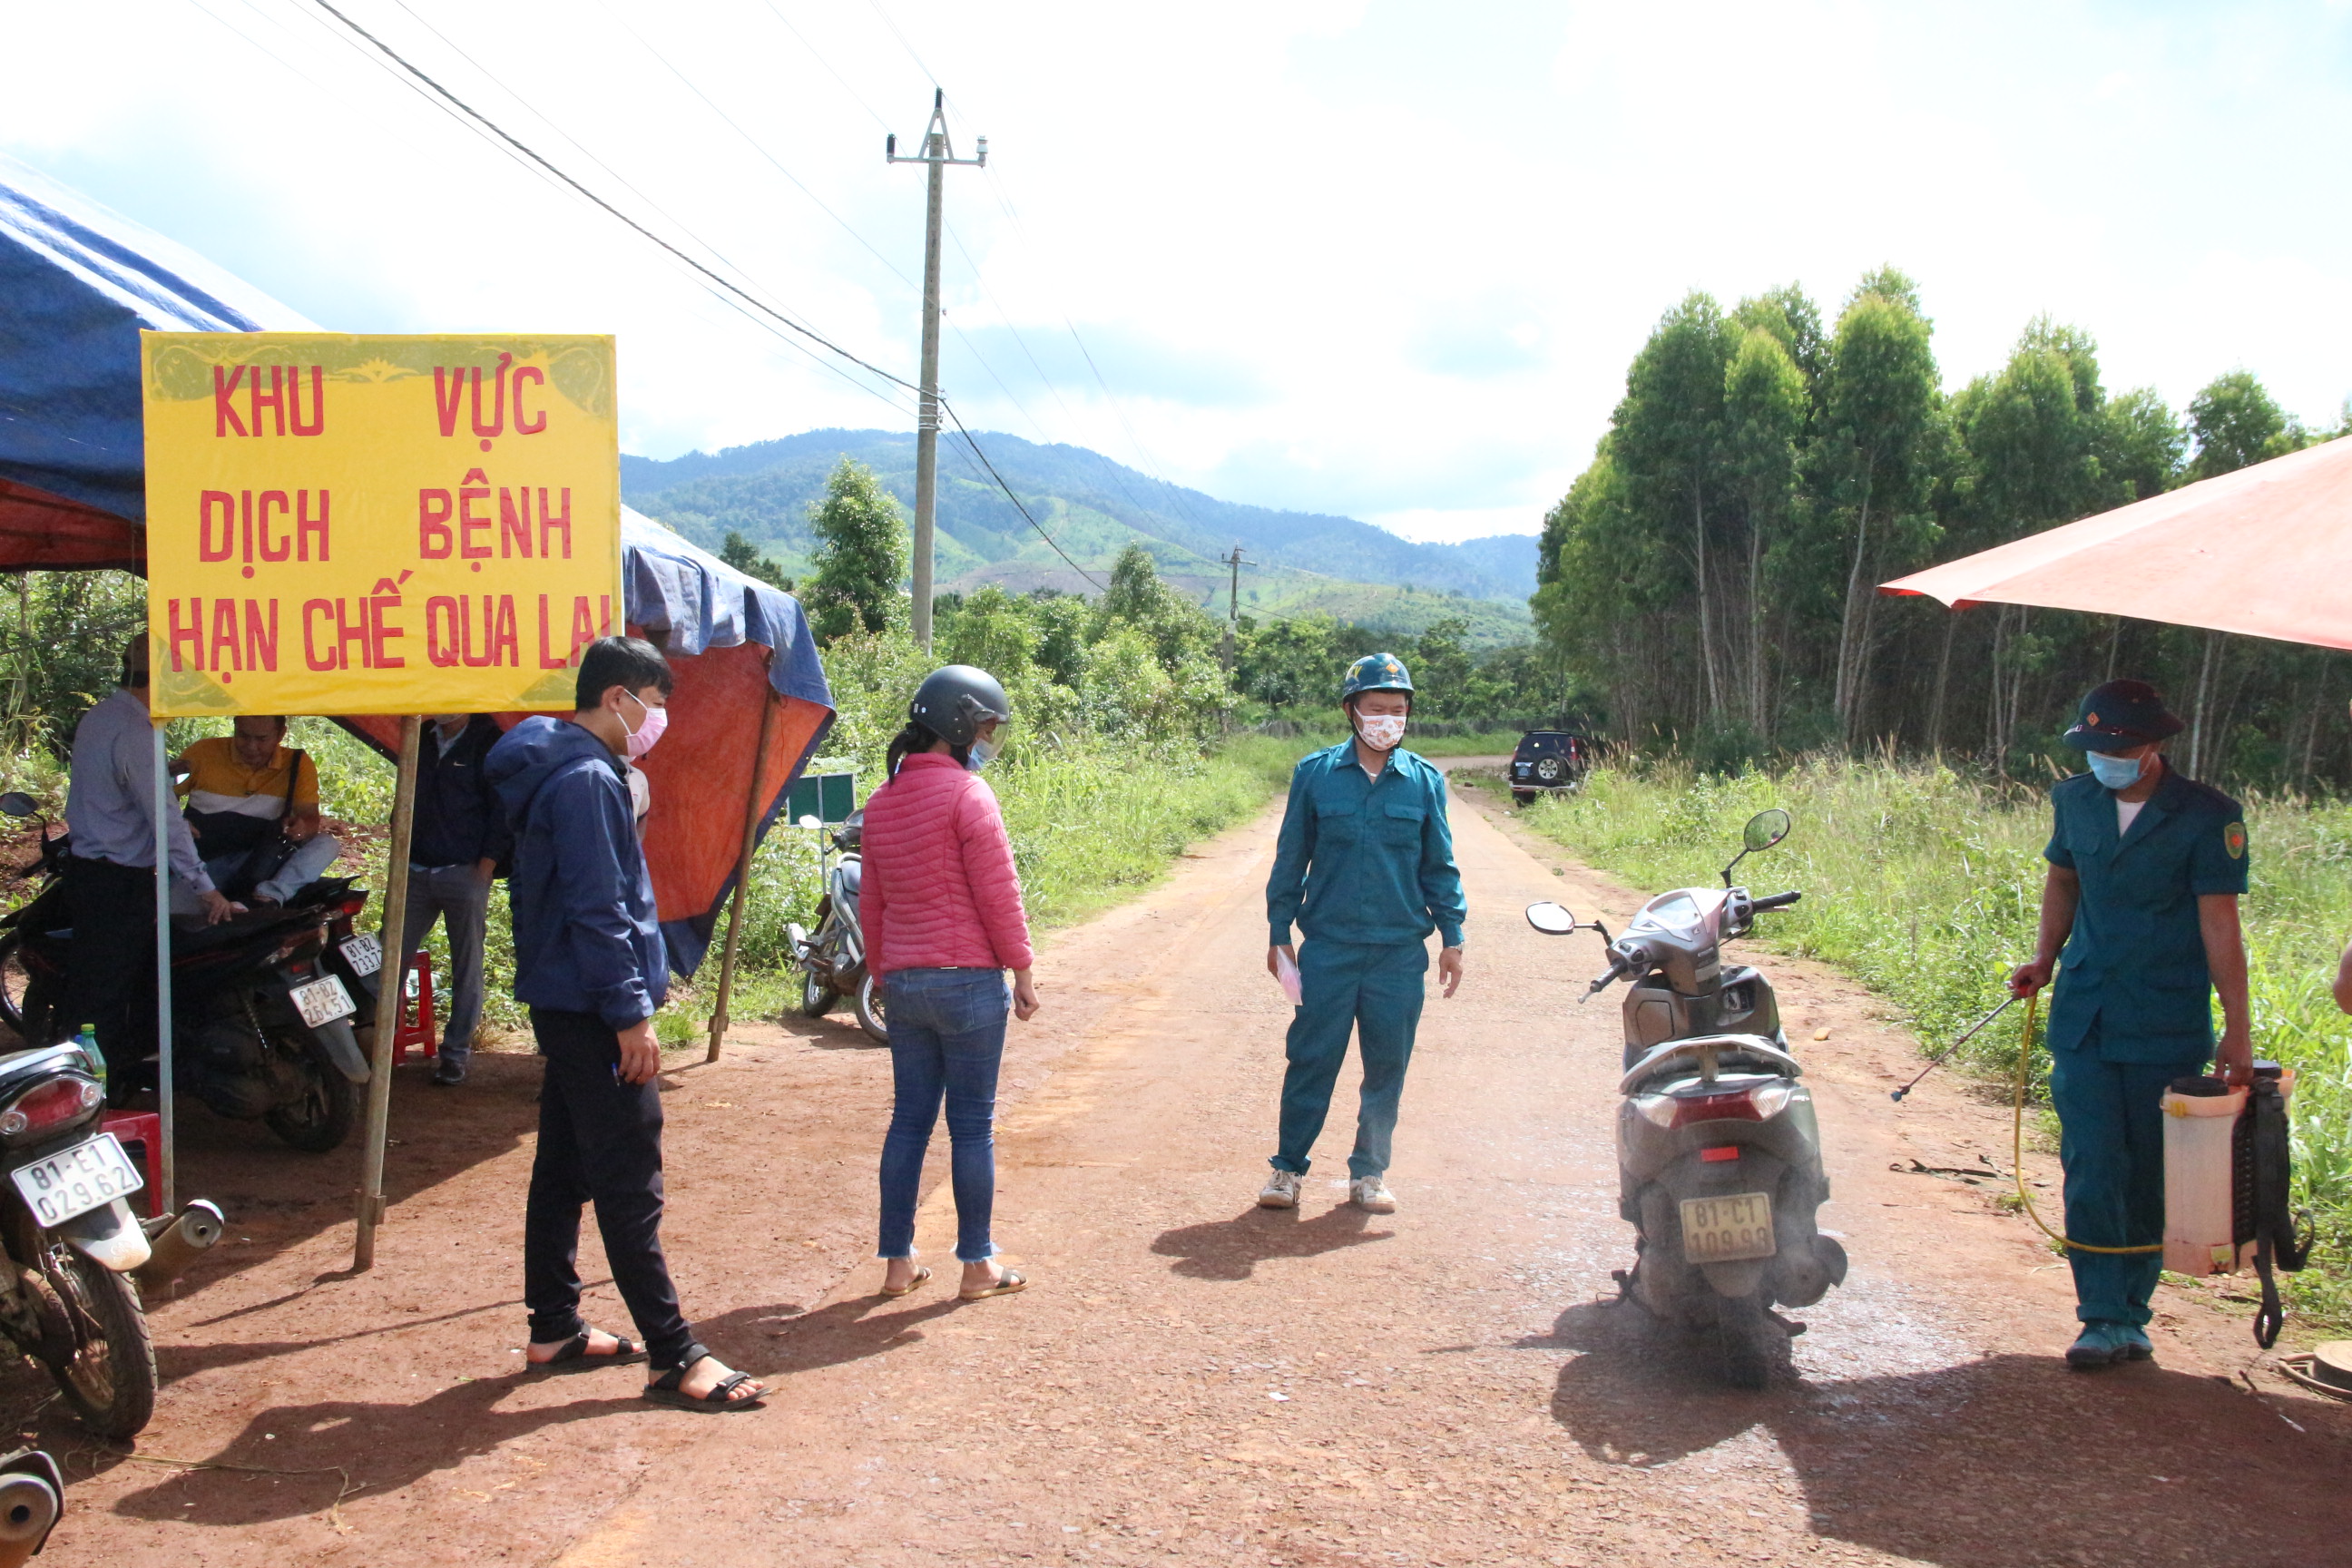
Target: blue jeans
{"type": "Point", "coordinates": [1374, 992]}
{"type": "Point", "coordinates": [947, 1039]}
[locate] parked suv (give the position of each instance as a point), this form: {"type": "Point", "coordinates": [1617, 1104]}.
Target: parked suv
{"type": "Point", "coordinates": [1548, 760]}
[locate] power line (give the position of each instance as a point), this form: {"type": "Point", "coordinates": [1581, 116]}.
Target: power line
{"type": "Point", "coordinates": [1015, 500]}
{"type": "Point", "coordinates": [524, 151]}
{"type": "Point", "coordinates": [741, 299]}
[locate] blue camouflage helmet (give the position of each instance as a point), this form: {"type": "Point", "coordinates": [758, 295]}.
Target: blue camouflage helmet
{"type": "Point", "coordinates": [1375, 672]}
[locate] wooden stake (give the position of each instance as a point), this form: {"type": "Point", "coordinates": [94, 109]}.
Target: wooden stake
{"type": "Point", "coordinates": [390, 982]}
{"type": "Point", "coordinates": [752, 807]}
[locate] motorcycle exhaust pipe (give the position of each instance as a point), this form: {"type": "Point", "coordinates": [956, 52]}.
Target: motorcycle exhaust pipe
{"type": "Point", "coordinates": [31, 1498]}
{"type": "Point", "coordinates": [176, 1244]}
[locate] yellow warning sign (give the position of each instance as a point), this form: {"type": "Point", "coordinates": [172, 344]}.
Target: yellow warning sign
{"type": "Point", "coordinates": [341, 524]}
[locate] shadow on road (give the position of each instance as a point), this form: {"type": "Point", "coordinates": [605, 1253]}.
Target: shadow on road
{"type": "Point", "coordinates": [1232, 1249]}
{"type": "Point", "coordinates": [2008, 1462]}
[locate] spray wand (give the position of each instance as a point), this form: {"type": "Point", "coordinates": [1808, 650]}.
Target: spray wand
{"type": "Point", "coordinates": [1940, 1057]}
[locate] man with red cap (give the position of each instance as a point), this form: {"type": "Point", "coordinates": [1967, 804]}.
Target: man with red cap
{"type": "Point", "coordinates": [2146, 869]}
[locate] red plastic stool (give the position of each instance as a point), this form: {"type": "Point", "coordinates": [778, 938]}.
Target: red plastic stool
{"type": "Point", "coordinates": [145, 1129]}
{"type": "Point", "coordinates": [418, 1026]}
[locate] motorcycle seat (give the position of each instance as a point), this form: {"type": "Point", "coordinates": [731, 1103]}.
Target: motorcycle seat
{"type": "Point", "coordinates": [853, 875]}
{"type": "Point", "coordinates": [1681, 1055]}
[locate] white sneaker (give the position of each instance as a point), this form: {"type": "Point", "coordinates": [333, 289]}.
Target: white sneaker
{"type": "Point", "coordinates": [1281, 1190]}
{"type": "Point", "coordinates": [1371, 1195]}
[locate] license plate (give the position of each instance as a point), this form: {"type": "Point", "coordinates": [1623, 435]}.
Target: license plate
{"type": "Point", "coordinates": [77, 1180]}
{"type": "Point", "coordinates": [363, 954]}
{"type": "Point", "coordinates": [1727, 1229]}
{"type": "Point", "coordinates": [323, 1001]}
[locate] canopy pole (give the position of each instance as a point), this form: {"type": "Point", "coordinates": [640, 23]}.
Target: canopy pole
{"type": "Point", "coordinates": [391, 988]}
{"type": "Point", "coordinates": [169, 1195]}
{"type": "Point", "coordinates": [752, 803]}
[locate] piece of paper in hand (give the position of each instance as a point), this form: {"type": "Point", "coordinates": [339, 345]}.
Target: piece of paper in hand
{"type": "Point", "coordinates": [1288, 973]}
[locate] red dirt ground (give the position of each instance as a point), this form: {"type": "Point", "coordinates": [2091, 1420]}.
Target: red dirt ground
{"type": "Point", "coordinates": [1191, 1379]}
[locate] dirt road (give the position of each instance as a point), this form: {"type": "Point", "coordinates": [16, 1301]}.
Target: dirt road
{"type": "Point", "coordinates": [1192, 1379]}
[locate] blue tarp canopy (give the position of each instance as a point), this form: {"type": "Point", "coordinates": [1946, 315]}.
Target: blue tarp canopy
{"type": "Point", "coordinates": [77, 284]}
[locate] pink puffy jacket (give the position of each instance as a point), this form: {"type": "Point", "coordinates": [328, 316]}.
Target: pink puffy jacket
{"type": "Point", "coordinates": [939, 889]}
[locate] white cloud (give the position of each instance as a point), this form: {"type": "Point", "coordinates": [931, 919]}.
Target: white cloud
{"type": "Point", "coordinates": [1381, 259]}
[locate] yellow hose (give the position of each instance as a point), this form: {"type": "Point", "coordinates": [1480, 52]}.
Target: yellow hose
{"type": "Point", "coordinates": [2017, 1148]}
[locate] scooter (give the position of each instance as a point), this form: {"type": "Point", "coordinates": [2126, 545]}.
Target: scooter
{"type": "Point", "coordinates": [832, 962]}
{"type": "Point", "coordinates": [1718, 1153]}
{"type": "Point", "coordinates": [262, 1028]}
{"type": "Point", "coordinates": [76, 1255]}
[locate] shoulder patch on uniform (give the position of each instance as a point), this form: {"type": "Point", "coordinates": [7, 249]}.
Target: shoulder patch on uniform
{"type": "Point", "coordinates": [2233, 839]}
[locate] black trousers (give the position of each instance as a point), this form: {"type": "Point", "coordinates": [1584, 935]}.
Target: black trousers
{"type": "Point", "coordinates": [600, 1143]}
{"type": "Point", "coordinates": [111, 967]}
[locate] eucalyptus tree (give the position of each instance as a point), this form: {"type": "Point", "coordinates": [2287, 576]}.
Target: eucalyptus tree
{"type": "Point", "coordinates": [1880, 435]}
{"type": "Point", "coordinates": [1668, 434]}
{"type": "Point", "coordinates": [1766, 406]}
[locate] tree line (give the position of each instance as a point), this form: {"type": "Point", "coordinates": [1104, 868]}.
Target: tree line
{"type": "Point", "coordinates": [1709, 581]}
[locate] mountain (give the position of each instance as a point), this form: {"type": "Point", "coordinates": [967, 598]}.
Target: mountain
{"type": "Point", "coordinates": [1093, 507]}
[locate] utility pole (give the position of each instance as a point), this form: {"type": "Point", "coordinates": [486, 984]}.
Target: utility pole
{"type": "Point", "coordinates": [1232, 606]}
{"type": "Point", "coordinates": [938, 154]}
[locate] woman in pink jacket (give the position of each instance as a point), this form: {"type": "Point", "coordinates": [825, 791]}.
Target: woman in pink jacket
{"type": "Point", "coordinates": [942, 911]}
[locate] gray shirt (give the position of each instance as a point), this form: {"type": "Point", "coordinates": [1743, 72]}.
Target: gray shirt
{"type": "Point", "coordinates": [111, 799]}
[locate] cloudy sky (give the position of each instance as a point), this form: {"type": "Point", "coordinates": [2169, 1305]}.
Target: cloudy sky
{"type": "Point", "coordinates": [1383, 259]}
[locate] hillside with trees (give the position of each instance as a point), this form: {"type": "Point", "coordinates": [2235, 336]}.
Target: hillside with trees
{"type": "Point", "coordinates": [1710, 580]}
{"type": "Point", "coordinates": [1297, 562]}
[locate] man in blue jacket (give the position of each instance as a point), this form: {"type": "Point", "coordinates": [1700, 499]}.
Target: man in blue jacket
{"type": "Point", "coordinates": [1364, 868]}
{"type": "Point", "coordinates": [589, 963]}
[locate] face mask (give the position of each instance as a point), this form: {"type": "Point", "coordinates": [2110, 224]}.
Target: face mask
{"type": "Point", "coordinates": [2116, 772]}
{"type": "Point", "coordinates": [641, 739]}
{"type": "Point", "coordinates": [979, 754]}
{"type": "Point", "coordinates": [1380, 732]}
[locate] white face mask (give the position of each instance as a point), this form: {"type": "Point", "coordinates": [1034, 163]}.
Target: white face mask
{"type": "Point", "coordinates": [1381, 732]}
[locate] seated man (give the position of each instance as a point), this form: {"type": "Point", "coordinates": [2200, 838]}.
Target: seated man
{"type": "Point", "coordinates": [242, 789]}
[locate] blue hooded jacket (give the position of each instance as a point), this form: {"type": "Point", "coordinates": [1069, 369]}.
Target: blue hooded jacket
{"type": "Point", "coordinates": [586, 939]}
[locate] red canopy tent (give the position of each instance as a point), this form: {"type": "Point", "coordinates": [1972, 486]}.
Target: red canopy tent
{"type": "Point", "coordinates": [2260, 551]}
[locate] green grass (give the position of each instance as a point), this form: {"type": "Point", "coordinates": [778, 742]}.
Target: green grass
{"type": "Point", "coordinates": [1926, 885]}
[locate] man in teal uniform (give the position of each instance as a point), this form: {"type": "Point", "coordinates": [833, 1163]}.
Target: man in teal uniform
{"type": "Point", "coordinates": [1365, 868]}
{"type": "Point", "coordinates": [2145, 868]}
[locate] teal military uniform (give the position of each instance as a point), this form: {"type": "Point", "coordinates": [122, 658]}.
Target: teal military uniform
{"type": "Point", "coordinates": [2133, 1010]}
{"type": "Point", "coordinates": [1364, 869]}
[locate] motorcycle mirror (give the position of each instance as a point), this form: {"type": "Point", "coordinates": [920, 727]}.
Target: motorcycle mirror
{"type": "Point", "coordinates": [1550, 919]}
{"type": "Point", "coordinates": [1766, 828]}
{"type": "Point", "coordinates": [808, 822]}
{"type": "Point", "coordinates": [16, 803]}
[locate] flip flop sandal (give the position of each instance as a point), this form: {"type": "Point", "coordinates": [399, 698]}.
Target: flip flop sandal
{"type": "Point", "coordinates": [573, 1355]}
{"type": "Point", "coordinates": [922, 1274]}
{"type": "Point", "coordinates": [1007, 1283]}
{"type": "Point", "coordinates": [668, 1389]}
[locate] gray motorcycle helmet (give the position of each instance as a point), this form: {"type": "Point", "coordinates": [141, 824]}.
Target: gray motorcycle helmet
{"type": "Point", "coordinates": [954, 701]}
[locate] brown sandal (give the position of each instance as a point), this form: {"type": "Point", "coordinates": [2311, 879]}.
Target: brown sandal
{"type": "Point", "coordinates": [922, 1274]}
{"type": "Point", "coordinates": [1007, 1282]}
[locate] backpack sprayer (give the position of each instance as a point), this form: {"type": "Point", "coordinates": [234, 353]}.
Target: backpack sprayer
{"type": "Point", "coordinates": [2227, 1175]}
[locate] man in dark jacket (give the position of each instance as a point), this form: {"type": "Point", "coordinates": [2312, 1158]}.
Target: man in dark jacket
{"type": "Point", "coordinates": [589, 963]}
{"type": "Point", "coordinates": [460, 838]}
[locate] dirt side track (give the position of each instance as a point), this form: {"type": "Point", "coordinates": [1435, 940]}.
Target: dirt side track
{"type": "Point", "coordinates": [1191, 1379]}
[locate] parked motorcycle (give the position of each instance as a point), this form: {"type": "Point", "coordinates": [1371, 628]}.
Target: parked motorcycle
{"type": "Point", "coordinates": [68, 1299]}
{"type": "Point", "coordinates": [263, 1027]}
{"type": "Point", "coordinates": [832, 962]}
{"type": "Point", "coordinates": [1718, 1153]}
